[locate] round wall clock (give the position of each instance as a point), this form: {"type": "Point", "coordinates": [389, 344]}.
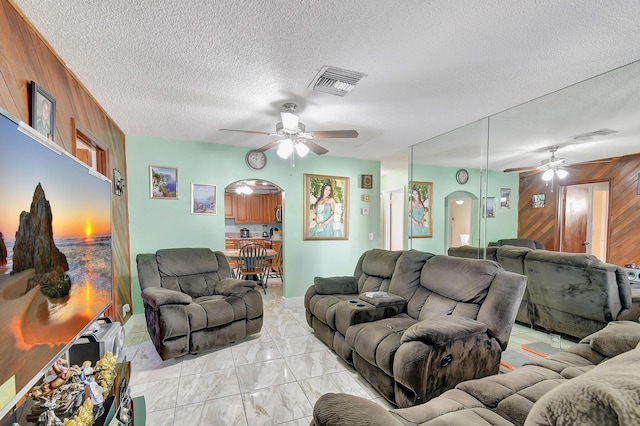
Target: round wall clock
{"type": "Point", "coordinates": [256, 159]}
{"type": "Point", "coordinates": [462, 176]}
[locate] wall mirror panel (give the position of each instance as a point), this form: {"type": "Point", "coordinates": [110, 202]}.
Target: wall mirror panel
{"type": "Point", "coordinates": [584, 140]}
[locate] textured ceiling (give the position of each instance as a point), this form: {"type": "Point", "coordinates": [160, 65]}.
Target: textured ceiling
{"type": "Point", "coordinates": [182, 69]}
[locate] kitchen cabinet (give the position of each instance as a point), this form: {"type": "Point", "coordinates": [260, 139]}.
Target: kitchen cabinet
{"type": "Point", "coordinates": [254, 208]}
{"type": "Point", "coordinates": [229, 205]}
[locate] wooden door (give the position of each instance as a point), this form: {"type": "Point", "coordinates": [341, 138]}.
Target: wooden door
{"type": "Point", "coordinates": [229, 205]}
{"type": "Point", "coordinates": [242, 208]}
{"type": "Point", "coordinates": [255, 212]}
{"type": "Point", "coordinates": [575, 217]}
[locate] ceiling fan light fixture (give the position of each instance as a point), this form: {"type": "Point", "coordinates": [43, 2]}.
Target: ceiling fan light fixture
{"type": "Point", "coordinates": [547, 175]}
{"type": "Point", "coordinates": [301, 149]}
{"type": "Point", "coordinates": [562, 173]}
{"type": "Point", "coordinates": [285, 148]}
{"type": "Point", "coordinates": [289, 120]}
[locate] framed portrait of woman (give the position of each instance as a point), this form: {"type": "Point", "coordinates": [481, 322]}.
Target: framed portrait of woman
{"type": "Point", "coordinates": [326, 207]}
{"type": "Point", "coordinates": [420, 223]}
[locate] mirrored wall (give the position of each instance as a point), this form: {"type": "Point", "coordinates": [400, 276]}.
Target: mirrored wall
{"type": "Point", "coordinates": [561, 169]}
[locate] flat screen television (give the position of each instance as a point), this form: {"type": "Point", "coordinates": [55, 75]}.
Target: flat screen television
{"type": "Point", "coordinates": [44, 190]}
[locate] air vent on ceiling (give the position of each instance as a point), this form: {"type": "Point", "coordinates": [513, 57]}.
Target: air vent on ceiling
{"type": "Point", "coordinates": [591, 135]}
{"type": "Point", "coordinates": [336, 81]}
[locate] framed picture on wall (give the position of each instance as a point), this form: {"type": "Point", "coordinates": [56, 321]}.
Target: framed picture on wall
{"type": "Point", "coordinates": [420, 212]}
{"type": "Point", "coordinates": [537, 201]}
{"type": "Point", "coordinates": [163, 182]}
{"type": "Point", "coordinates": [203, 199]}
{"type": "Point", "coordinates": [43, 111]}
{"type": "Point", "coordinates": [326, 207]}
{"type": "Point", "coordinates": [490, 207]}
{"type": "Point", "coordinates": [505, 198]}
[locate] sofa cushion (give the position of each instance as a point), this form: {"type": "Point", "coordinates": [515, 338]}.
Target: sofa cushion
{"type": "Point", "coordinates": [493, 389]}
{"type": "Point", "coordinates": [469, 283]}
{"type": "Point", "coordinates": [606, 395]}
{"type": "Point", "coordinates": [335, 285]}
{"type": "Point", "coordinates": [617, 337]}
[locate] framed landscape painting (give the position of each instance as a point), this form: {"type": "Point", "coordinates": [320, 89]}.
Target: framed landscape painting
{"type": "Point", "coordinates": [419, 217]}
{"type": "Point", "coordinates": [203, 199]}
{"type": "Point", "coordinates": [326, 207]}
{"type": "Point", "coordinates": [163, 182]}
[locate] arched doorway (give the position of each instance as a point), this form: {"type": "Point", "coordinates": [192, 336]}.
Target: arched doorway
{"type": "Point", "coordinates": [253, 211]}
{"type": "Point", "coordinates": [459, 218]}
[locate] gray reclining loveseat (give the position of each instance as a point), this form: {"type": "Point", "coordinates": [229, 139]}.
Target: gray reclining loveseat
{"type": "Point", "coordinates": [191, 303]}
{"type": "Point", "coordinates": [441, 320]}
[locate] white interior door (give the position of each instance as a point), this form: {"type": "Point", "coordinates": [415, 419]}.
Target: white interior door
{"type": "Point", "coordinates": [393, 215]}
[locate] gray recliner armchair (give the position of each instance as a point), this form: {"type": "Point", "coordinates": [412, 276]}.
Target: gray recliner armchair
{"type": "Point", "coordinates": [192, 303]}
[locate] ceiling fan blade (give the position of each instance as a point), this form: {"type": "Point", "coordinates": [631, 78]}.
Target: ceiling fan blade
{"type": "Point", "coordinates": [520, 169]}
{"type": "Point", "coordinates": [246, 131]}
{"type": "Point", "coordinates": [315, 148]}
{"type": "Point", "coordinates": [334, 134]}
{"type": "Point", "coordinates": [267, 146]}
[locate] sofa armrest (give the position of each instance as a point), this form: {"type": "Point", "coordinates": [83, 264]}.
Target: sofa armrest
{"type": "Point", "coordinates": [335, 285]}
{"type": "Point", "coordinates": [338, 409]}
{"type": "Point", "coordinates": [233, 287]}
{"type": "Point", "coordinates": [441, 330]}
{"type": "Point", "coordinates": [158, 296]}
{"type": "Point", "coordinates": [390, 300]}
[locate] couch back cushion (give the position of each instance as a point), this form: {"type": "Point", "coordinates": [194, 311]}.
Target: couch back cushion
{"type": "Point", "coordinates": [452, 286]}
{"type": "Point", "coordinates": [578, 284]}
{"type": "Point", "coordinates": [375, 269]}
{"type": "Point", "coordinates": [193, 271]}
{"type": "Point", "coordinates": [511, 258]}
{"type": "Point", "coordinates": [471, 252]}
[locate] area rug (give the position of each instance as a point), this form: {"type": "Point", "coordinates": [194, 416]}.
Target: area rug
{"type": "Point", "coordinates": [513, 358]}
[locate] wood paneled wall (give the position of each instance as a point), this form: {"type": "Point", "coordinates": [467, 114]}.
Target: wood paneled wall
{"type": "Point", "coordinates": [25, 57]}
{"type": "Point", "coordinates": [624, 213]}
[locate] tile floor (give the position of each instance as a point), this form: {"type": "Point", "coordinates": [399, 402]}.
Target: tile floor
{"type": "Point", "coordinates": [272, 378]}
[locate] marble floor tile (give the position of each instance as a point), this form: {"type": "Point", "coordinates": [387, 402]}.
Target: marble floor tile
{"type": "Point", "coordinates": [209, 385]}
{"type": "Point", "coordinates": [207, 361]}
{"type": "Point", "coordinates": [158, 395]}
{"type": "Point", "coordinates": [299, 345]}
{"type": "Point", "coordinates": [314, 364]}
{"type": "Point", "coordinates": [342, 382]}
{"type": "Point", "coordinates": [275, 405]}
{"type": "Point", "coordinates": [219, 411]}
{"type": "Point", "coordinates": [251, 354]}
{"type": "Point", "coordinates": [263, 375]}
{"type": "Point", "coordinates": [160, 418]}
{"type": "Point", "coordinates": [293, 329]}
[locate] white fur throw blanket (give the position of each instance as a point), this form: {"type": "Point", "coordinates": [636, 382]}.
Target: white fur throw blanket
{"type": "Point", "coordinates": [609, 394]}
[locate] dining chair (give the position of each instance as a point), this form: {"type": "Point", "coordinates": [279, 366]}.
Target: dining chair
{"type": "Point", "coordinates": [253, 264]}
{"type": "Point", "coordinates": [235, 273]}
{"type": "Point", "coordinates": [277, 265]}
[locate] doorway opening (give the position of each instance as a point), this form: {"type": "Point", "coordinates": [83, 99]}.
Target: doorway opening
{"type": "Point", "coordinates": [254, 211]}
{"type": "Point", "coordinates": [460, 207]}
{"type": "Point", "coordinates": [393, 204]}
{"type": "Point", "coordinates": [584, 225]}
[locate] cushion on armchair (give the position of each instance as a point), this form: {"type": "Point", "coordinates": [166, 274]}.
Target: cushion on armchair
{"type": "Point", "coordinates": [335, 285]}
{"type": "Point", "coordinates": [440, 330]}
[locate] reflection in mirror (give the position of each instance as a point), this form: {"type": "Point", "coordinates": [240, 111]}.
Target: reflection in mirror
{"type": "Point", "coordinates": [572, 139]}
{"type": "Point", "coordinates": [585, 134]}
{"type": "Point", "coordinates": [438, 161]}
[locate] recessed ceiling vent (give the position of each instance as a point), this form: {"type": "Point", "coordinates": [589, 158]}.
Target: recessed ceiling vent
{"type": "Point", "coordinates": [335, 81]}
{"type": "Point", "coordinates": [591, 135]}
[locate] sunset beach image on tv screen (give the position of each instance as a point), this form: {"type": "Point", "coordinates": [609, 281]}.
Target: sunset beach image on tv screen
{"type": "Point", "coordinates": [47, 192]}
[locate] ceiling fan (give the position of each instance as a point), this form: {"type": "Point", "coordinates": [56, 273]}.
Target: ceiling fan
{"type": "Point", "coordinates": [292, 134]}
{"type": "Point", "coordinates": [550, 167]}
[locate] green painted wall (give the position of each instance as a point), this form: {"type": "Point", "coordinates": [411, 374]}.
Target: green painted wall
{"type": "Point", "coordinates": [156, 224]}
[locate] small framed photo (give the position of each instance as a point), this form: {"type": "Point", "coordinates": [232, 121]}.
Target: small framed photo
{"type": "Point", "coordinates": [490, 207]}
{"type": "Point", "coordinates": [326, 207]}
{"type": "Point", "coordinates": [367, 182]}
{"type": "Point", "coordinates": [203, 199]}
{"type": "Point", "coordinates": [163, 182]}
{"type": "Point", "coordinates": [537, 201]}
{"type": "Point", "coordinates": [43, 112]}
{"type": "Point", "coordinates": [505, 198]}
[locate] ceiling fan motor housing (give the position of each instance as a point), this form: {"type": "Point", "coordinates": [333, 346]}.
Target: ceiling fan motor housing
{"type": "Point", "coordinates": [282, 131]}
